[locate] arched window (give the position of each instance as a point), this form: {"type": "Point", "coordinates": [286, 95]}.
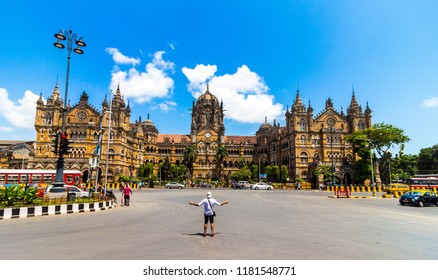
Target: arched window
{"type": "Point", "coordinates": [303, 139]}
{"type": "Point", "coordinates": [361, 125]}
{"type": "Point", "coordinates": [303, 125]}
{"type": "Point", "coordinates": [111, 153]}
{"type": "Point", "coordinates": [304, 157]}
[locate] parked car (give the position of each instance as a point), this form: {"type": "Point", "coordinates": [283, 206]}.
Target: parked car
{"type": "Point", "coordinates": [61, 193]}
{"type": "Point", "coordinates": [174, 185]}
{"type": "Point", "coordinates": [419, 198]}
{"type": "Point", "coordinates": [392, 188]}
{"type": "Point", "coordinates": [262, 186]}
{"type": "Point", "coordinates": [243, 185]}
{"type": "Point", "coordinates": [77, 191]}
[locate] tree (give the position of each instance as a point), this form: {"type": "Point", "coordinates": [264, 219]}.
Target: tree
{"type": "Point", "coordinates": [404, 166]}
{"type": "Point", "coordinates": [273, 173]}
{"type": "Point", "coordinates": [381, 138]}
{"type": "Point", "coordinates": [145, 171]}
{"type": "Point", "coordinates": [221, 155]}
{"type": "Point", "coordinates": [255, 172]}
{"type": "Point", "coordinates": [190, 154]}
{"type": "Point", "coordinates": [327, 171]}
{"type": "Point", "coordinates": [428, 160]}
{"type": "Point", "coordinates": [243, 174]}
{"type": "Point", "coordinates": [284, 173]}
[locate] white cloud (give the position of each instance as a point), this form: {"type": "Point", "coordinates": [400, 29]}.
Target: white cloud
{"type": "Point", "coordinates": [167, 106]}
{"type": "Point", "coordinates": [154, 82]}
{"type": "Point", "coordinates": [244, 93]}
{"type": "Point", "coordinates": [20, 114]}
{"type": "Point", "coordinates": [431, 102]}
{"type": "Point", "coordinates": [200, 74]}
{"type": "Point", "coordinates": [120, 58]}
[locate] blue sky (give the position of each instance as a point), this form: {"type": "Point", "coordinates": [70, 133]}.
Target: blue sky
{"type": "Point", "coordinates": [254, 54]}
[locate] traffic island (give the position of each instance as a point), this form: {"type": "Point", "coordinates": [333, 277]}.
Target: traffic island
{"type": "Point", "coordinates": [48, 210]}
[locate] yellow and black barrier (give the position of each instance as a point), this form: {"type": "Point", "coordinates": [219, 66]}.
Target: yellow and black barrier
{"type": "Point", "coordinates": [357, 188]}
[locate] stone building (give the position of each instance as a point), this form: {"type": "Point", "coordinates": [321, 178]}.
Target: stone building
{"type": "Point", "coordinates": [305, 141]}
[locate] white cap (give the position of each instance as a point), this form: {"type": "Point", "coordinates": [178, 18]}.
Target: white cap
{"type": "Point", "coordinates": [209, 195]}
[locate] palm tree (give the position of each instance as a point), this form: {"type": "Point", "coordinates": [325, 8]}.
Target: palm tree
{"type": "Point", "coordinates": [221, 155]}
{"type": "Point", "coordinates": [190, 154]}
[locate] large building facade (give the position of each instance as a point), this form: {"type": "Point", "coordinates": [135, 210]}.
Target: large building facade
{"type": "Point", "coordinates": [304, 142]}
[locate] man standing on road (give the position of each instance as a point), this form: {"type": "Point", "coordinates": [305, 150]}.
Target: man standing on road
{"type": "Point", "coordinates": [127, 194]}
{"type": "Point", "coordinates": [209, 213]}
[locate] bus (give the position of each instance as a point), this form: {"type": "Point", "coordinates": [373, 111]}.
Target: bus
{"type": "Point", "coordinates": [35, 177]}
{"type": "Point", "coordinates": [429, 181]}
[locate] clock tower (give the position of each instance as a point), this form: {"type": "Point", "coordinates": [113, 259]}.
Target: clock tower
{"type": "Point", "coordinates": [207, 119]}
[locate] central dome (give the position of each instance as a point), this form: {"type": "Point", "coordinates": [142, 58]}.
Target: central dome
{"type": "Point", "coordinates": [207, 98]}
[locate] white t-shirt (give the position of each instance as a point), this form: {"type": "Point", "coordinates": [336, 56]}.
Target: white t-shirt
{"type": "Point", "coordinates": [207, 209]}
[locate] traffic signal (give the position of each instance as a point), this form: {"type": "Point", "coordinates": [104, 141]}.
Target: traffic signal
{"type": "Point", "coordinates": [55, 143]}
{"type": "Point", "coordinates": [64, 147]}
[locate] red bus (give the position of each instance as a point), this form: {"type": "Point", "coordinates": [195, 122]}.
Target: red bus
{"type": "Point", "coordinates": [423, 182]}
{"type": "Point", "coordinates": [35, 177]}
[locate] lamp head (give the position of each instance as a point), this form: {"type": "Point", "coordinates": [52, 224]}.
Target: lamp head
{"type": "Point", "coordinates": [78, 51]}
{"type": "Point", "coordinates": [59, 44]}
{"type": "Point", "coordinates": [80, 43]}
{"type": "Point", "coordinates": [60, 36]}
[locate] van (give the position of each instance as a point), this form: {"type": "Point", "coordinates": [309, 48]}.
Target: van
{"type": "Point", "coordinates": [392, 188]}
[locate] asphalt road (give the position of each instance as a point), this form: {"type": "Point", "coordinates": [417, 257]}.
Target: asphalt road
{"type": "Point", "coordinates": [256, 225]}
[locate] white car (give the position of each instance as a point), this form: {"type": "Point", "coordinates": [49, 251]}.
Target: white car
{"type": "Point", "coordinates": [262, 186]}
{"type": "Point", "coordinates": [77, 191]}
{"type": "Point", "coordinates": [174, 185]}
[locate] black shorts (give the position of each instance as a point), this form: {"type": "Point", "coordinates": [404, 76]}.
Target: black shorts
{"type": "Point", "coordinates": [208, 218]}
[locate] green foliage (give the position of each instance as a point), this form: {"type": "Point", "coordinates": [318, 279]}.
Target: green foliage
{"type": "Point", "coordinates": [381, 138]}
{"type": "Point", "coordinates": [29, 195]}
{"type": "Point", "coordinates": [243, 174]}
{"type": "Point", "coordinates": [284, 173]}
{"type": "Point", "coordinates": [146, 171]}
{"type": "Point", "coordinates": [428, 160]}
{"type": "Point", "coordinates": [221, 155]}
{"type": "Point", "coordinates": [255, 172]}
{"type": "Point", "coordinates": [12, 195]}
{"type": "Point", "coordinates": [190, 154]}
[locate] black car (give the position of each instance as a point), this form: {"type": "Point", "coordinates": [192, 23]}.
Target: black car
{"type": "Point", "coordinates": [419, 198]}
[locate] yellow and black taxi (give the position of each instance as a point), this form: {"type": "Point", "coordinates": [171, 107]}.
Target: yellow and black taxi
{"type": "Point", "coordinates": [419, 198]}
{"type": "Point", "coordinates": [392, 188]}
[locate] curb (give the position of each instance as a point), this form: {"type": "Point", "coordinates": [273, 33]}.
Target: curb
{"type": "Point", "coordinates": [35, 211]}
{"type": "Point", "coordinates": [353, 196]}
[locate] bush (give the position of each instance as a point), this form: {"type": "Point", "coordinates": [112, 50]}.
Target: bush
{"type": "Point", "coordinates": [11, 195]}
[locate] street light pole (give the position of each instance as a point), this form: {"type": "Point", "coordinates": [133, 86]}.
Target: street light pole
{"type": "Point", "coordinates": [58, 185]}
{"type": "Point", "coordinates": [331, 150]}
{"type": "Point", "coordinates": [109, 139]}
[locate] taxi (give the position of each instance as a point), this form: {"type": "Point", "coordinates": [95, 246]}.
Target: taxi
{"type": "Point", "coordinates": [392, 188]}
{"type": "Point", "coordinates": [419, 198]}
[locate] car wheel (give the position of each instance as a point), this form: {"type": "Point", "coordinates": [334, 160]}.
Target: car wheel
{"type": "Point", "coordinates": [256, 188]}
{"type": "Point", "coordinates": [180, 187]}
{"type": "Point", "coordinates": [269, 189]}
{"type": "Point", "coordinates": [402, 203]}
{"type": "Point", "coordinates": [420, 204]}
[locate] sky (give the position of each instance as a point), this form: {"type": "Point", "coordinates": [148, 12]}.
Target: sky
{"type": "Point", "coordinates": [253, 54]}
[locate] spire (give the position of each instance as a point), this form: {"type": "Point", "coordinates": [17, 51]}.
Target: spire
{"type": "Point", "coordinates": [40, 100]}
{"type": "Point", "coordinates": [298, 105]}
{"type": "Point", "coordinates": [105, 102]}
{"type": "Point", "coordinates": [354, 106]}
{"type": "Point", "coordinates": [329, 103]}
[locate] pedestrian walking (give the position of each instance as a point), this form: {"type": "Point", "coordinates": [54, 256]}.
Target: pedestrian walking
{"type": "Point", "coordinates": [209, 213]}
{"type": "Point", "coordinates": [127, 194]}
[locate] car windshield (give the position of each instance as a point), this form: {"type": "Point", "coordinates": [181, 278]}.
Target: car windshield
{"type": "Point", "coordinates": [416, 193]}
